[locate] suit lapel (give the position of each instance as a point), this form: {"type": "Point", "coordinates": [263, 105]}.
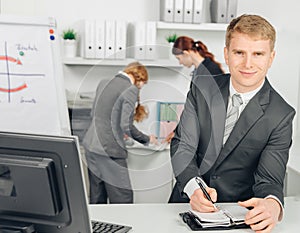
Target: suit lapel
{"type": "Point", "coordinates": [252, 112]}
{"type": "Point", "coordinates": [217, 107]}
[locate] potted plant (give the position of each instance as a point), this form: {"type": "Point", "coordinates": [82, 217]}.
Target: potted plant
{"type": "Point", "coordinates": [171, 39]}
{"type": "Point", "coordinates": [70, 43]}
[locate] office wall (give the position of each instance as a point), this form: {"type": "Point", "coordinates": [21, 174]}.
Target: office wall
{"type": "Point", "coordinates": [284, 74]}
{"type": "Point", "coordinates": [68, 11]}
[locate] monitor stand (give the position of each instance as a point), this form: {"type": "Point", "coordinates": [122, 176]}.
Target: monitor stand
{"type": "Point", "coordinates": [7, 226]}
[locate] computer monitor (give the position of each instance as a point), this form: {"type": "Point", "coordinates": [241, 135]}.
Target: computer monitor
{"type": "Point", "coordinates": [41, 184]}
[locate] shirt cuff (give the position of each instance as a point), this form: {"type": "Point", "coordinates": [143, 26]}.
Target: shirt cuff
{"type": "Point", "coordinates": [192, 185]}
{"type": "Point", "coordinates": [281, 206]}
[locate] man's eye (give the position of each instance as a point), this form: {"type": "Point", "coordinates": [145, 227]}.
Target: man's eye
{"type": "Point", "coordinates": [239, 53]}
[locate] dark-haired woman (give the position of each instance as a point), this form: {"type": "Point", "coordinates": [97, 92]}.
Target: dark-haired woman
{"type": "Point", "coordinates": [195, 53]}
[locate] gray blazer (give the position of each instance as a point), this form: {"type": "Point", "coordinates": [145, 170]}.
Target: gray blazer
{"type": "Point", "coordinates": [112, 117]}
{"type": "Point", "coordinates": [252, 162]}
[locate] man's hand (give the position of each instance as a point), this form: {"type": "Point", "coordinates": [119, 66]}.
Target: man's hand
{"type": "Point", "coordinates": [199, 202]}
{"type": "Point", "coordinates": [264, 215]}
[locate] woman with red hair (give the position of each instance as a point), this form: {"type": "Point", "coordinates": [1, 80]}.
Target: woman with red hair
{"type": "Point", "coordinates": [194, 53]}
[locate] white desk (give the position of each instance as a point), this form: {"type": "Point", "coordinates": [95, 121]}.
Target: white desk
{"type": "Point", "coordinates": [164, 218]}
{"type": "Point", "coordinates": [151, 174]}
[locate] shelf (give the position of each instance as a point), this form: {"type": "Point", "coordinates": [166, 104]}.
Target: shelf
{"type": "Point", "coordinates": [106, 62]}
{"type": "Point", "coordinates": [188, 26]}
{"type": "Point", "coordinates": [79, 61]}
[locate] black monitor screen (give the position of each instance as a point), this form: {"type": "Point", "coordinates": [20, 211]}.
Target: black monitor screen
{"type": "Point", "coordinates": [41, 184]}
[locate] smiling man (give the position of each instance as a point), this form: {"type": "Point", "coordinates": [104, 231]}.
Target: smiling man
{"type": "Point", "coordinates": [235, 132]}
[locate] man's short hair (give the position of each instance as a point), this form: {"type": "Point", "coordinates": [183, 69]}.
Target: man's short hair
{"type": "Point", "coordinates": [254, 26]}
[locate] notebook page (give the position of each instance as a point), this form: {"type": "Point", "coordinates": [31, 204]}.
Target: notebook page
{"type": "Point", "coordinates": [234, 210]}
{"type": "Point", "coordinates": [214, 217]}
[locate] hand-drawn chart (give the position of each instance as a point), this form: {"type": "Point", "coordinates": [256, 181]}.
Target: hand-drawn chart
{"type": "Point", "coordinates": [32, 93]}
{"type": "Point", "coordinates": [7, 75]}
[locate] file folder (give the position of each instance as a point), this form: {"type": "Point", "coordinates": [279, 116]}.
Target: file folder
{"type": "Point", "coordinates": [188, 11]}
{"type": "Point", "coordinates": [150, 53]}
{"type": "Point", "coordinates": [218, 11]}
{"type": "Point", "coordinates": [197, 11]}
{"type": "Point", "coordinates": [178, 11]}
{"type": "Point", "coordinates": [121, 36]}
{"type": "Point", "coordinates": [110, 39]}
{"type": "Point", "coordinates": [231, 9]}
{"type": "Point", "coordinates": [167, 10]}
{"type": "Point", "coordinates": [86, 29]}
{"type": "Point", "coordinates": [139, 40]}
{"type": "Point", "coordinates": [99, 38]}
{"type": "Point", "coordinates": [168, 117]}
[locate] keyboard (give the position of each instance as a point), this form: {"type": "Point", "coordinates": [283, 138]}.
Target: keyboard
{"type": "Point", "coordinates": [101, 227]}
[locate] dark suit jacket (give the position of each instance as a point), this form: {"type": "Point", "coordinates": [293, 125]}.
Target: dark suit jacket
{"type": "Point", "coordinates": [206, 68]}
{"type": "Point", "coordinates": [252, 163]}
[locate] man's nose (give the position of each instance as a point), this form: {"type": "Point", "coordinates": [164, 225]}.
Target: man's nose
{"type": "Point", "coordinates": [248, 61]}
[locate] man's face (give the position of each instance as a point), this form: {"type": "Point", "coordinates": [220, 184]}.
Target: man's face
{"type": "Point", "coordinates": [248, 60]}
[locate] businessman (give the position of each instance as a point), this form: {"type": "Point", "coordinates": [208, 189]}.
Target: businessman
{"type": "Point", "coordinates": [236, 131]}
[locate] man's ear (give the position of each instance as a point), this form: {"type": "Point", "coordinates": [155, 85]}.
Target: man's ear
{"type": "Point", "coordinates": [273, 53]}
{"type": "Point", "coordinates": [226, 55]}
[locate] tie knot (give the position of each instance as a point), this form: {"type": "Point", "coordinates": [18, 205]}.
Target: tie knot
{"type": "Point", "coordinates": [237, 100]}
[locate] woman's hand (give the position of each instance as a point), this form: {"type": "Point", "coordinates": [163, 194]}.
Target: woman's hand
{"type": "Point", "coordinates": [169, 137]}
{"type": "Point", "coordinates": [153, 139]}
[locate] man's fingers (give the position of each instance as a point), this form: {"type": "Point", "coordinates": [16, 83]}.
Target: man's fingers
{"type": "Point", "coordinates": [199, 202]}
{"type": "Point", "coordinates": [212, 193]}
{"type": "Point", "coordinates": [249, 203]}
{"type": "Point", "coordinates": [262, 227]}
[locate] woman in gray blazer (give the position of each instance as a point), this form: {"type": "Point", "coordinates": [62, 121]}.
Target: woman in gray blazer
{"type": "Point", "coordinates": [115, 108]}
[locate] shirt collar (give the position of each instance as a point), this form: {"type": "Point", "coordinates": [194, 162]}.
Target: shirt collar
{"type": "Point", "coordinates": [247, 96]}
{"type": "Point", "coordinates": [126, 75]}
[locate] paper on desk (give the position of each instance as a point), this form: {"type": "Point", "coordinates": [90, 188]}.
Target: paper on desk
{"type": "Point", "coordinates": [153, 147]}
{"type": "Point", "coordinates": [217, 217]}
{"type": "Point", "coordinates": [236, 212]}
{"type": "Point", "coordinates": [227, 212]}
{"type": "Point", "coordinates": [159, 146]}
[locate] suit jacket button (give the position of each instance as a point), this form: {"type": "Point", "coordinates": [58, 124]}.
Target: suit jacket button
{"type": "Point", "coordinates": [214, 177]}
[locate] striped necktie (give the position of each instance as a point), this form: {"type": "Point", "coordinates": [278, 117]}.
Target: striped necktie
{"type": "Point", "coordinates": [232, 115]}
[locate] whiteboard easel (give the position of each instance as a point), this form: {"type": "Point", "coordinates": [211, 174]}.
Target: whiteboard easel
{"type": "Point", "coordinates": [32, 92]}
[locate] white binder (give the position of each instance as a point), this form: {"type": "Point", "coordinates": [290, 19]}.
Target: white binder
{"type": "Point", "coordinates": [150, 53]}
{"type": "Point", "coordinates": [188, 11]}
{"type": "Point", "coordinates": [121, 35]}
{"type": "Point", "coordinates": [178, 11]}
{"type": "Point", "coordinates": [167, 10]}
{"type": "Point", "coordinates": [231, 9]}
{"type": "Point", "coordinates": [86, 29]}
{"type": "Point", "coordinates": [139, 40]}
{"type": "Point", "coordinates": [218, 11]}
{"type": "Point", "coordinates": [197, 11]}
{"type": "Point", "coordinates": [99, 38]}
{"type": "Point", "coordinates": [110, 39]}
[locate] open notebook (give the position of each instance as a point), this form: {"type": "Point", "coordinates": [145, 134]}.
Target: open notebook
{"type": "Point", "coordinates": [229, 215]}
